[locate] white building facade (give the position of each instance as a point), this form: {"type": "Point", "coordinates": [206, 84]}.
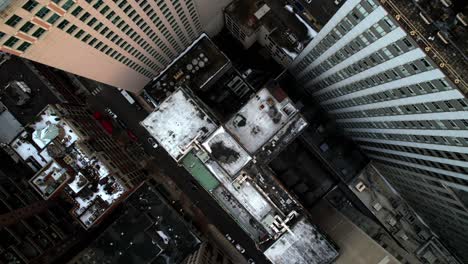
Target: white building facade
{"type": "Point", "coordinates": [406, 108]}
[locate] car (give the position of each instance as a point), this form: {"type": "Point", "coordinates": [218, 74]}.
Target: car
{"type": "Point", "coordinates": [228, 237]}
{"type": "Point", "coordinates": [241, 249]}
{"type": "Point", "coordinates": [250, 261]}
{"type": "Point", "coordinates": [153, 142]}
{"type": "Point", "coordinates": [110, 113]}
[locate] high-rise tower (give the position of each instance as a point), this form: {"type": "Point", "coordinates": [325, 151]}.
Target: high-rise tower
{"type": "Point", "coordinates": [121, 43]}
{"type": "Point", "coordinates": [393, 75]}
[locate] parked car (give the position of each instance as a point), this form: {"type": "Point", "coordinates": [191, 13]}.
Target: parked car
{"type": "Point", "coordinates": [250, 261]}
{"type": "Point", "coordinates": [240, 248]}
{"type": "Point", "coordinates": [109, 112]}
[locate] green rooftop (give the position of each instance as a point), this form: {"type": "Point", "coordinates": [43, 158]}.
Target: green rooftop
{"type": "Point", "coordinates": [197, 168]}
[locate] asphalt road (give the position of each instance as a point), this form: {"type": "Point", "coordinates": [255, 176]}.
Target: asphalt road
{"type": "Point", "coordinates": [111, 98]}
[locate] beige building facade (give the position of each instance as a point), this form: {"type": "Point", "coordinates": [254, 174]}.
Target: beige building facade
{"type": "Point", "coordinates": [120, 43]}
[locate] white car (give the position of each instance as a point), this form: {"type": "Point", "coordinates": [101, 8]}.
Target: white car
{"type": "Point", "coordinates": [241, 249]}
{"type": "Point", "coordinates": [153, 142]}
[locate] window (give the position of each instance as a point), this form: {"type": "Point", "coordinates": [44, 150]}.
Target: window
{"type": "Point", "coordinates": [79, 34]}
{"type": "Point", "coordinates": [68, 4]}
{"type": "Point", "coordinates": [2, 34]}
{"type": "Point", "coordinates": [53, 18]}
{"type": "Point", "coordinates": [63, 24]}
{"type": "Point", "coordinates": [92, 21]}
{"type": "Point", "coordinates": [10, 42]}
{"type": "Point", "coordinates": [30, 5]}
{"type": "Point", "coordinates": [38, 33]}
{"type": "Point", "coordinates": [84, 16]}
{"type": "Point", "coordinates": [98, 4]}
{"type": "Point", "coordinates": [24, 46]}
{"type": "Point", "coordinates": [77, 11]}
{"type": "Point", "coordinates": [27, 27]}
{"type": "Point", "coordinates": [86, 38]}
{"type": "Point", "coordinates": [104, 10]}
{"type": "Point", "coordinates": [71, 29]}
{"type": "Point", "coordinates": [42, 12]}
{"type": "Point", "coordinates": [13, 20]}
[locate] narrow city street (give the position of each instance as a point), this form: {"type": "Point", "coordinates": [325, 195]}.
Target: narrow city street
{"type": "Point", "coordinates": [131, 116]}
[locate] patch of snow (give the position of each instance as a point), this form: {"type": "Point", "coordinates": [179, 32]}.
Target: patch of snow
{"type": "Point", "coordinates": [311, 33]}
{"type": "Point", "coordinates": [27, 150]}
{"type": "Point", "coordinates": [302, 244]}
{"type": "Point", "coordinates": [45, 155]}
{"type": "Point", "coordinates": [290, 54]}
{"type": "Point", "coordinates": [49, 117]}
{"type": "Point", "coordinates": [163, 236]}
{"type": "Point", "coordinates": [74, 184]}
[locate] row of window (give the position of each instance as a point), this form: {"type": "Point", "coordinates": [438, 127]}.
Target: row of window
{"type": "Point", "coordinates": [429, 173]}
{"type": "Point", "coordinates": [453, 105]}
{"type": "Point", "coordinates": [420, 151]}
{"type": "Point", "coordinates": [426, 207]}
{"type": "Point", "coordinates": [99, 45]}
{"type": "Point", "coordinates": [423, 88]}
{"type": "Point", "coordinates": [14, 42]}
{"type": "Point", "coordinates": [403, 183]}
{"type": "Point", "coordinates": [370, 35]}
{"type": "Point", "coordinates": [438, 140]}
{"type": "Point", "coordinates": [378, 57]}
{"type": "Point", "coordinates": [459, 124]}
{"type": "Point", "coordinates": [344, 26]}
{"type": "Point", "coordinates": [399, 72]}
{"type": "Point", "coordinates": [111, 35]}
{"type": "Point", "coordinates": [234, 28]}
{"type": "Point", "coordinates": [133, 15]}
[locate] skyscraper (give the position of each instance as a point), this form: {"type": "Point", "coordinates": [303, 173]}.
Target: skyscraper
{"type": "Point", "coordinates": [395, 80]}
{"type": "Point", "coordinates": [120, 43]}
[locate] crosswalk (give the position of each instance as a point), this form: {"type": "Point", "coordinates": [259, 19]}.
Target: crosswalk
{"type": "Point", "coordinates": [97, 90]}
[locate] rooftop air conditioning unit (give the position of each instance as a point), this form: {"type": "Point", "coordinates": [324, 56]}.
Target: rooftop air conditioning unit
{"type": "Point", "coordinates": [360, 186]}
{"type": "Point", "coordinates": [377, 206]}
{"type": "Point", "coordinates": [391, 221]}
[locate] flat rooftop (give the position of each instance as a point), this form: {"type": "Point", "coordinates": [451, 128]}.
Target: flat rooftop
{"type": "Point", "coordinates": [302, 244]}
{"type": "Point", "coordinates": [178, 121]}
{"type": "Point", "coordinates": [261, 118]}
{"type": "Point", "coordinates": [148, 231]}
{"type": "Point", "coordinates": [226, 151]}
{"type": "Point", "coordinates": [196, 67]}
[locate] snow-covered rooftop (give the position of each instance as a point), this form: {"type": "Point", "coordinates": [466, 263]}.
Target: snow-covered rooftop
{"type": "Point", "coordinates": [302, 244]}
{"type": "Point", "coordinates": [48, 180]}
{"type": "Point", "coordinates": [259, 120]}
{"type": "Point", "coordinates": [78, 183]}
{"type": "Point", "coordinates": [226, 151]}
{"type": "Point", "coordinates": [253, 200]}
{"type": "Point", "coordinates": [26, 149]}
{"type": "Point", "coordinates": [49, 119]}
{"type": "Point", "coordinates": [177, 122]}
